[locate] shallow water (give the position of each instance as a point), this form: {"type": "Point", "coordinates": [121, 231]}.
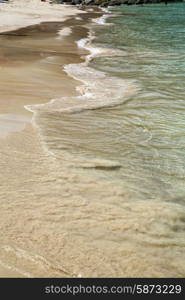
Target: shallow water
{"type": "Point", "coordinates": [92, 187]}
{"type": "Point", "coordinates": [144, 135]}
{"type": "Point", "coordinates": [150, 139]}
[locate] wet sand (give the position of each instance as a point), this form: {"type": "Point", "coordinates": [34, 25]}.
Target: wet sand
{"type": "Point", "coordinates": [32, 61]}
{"type": "Point", "coordinates": [21, 13]}
{"type": "Point", "coordinates": [33, 184]}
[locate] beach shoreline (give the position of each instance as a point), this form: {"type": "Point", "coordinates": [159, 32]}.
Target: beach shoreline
{"type": "Point", "coordinates": [15, 16]}
{"type": "Point", "coordinates": [86, 189]}
{"type": "Point", "coordinates": [19, 136]}
{"type": "Point", "coordinates": [19, 14]}
{"type": "Point", "coordinates": [15, 119]}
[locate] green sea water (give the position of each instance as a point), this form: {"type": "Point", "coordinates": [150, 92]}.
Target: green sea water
{"type": "Point", "coordinates": [129, 127]}
{"type": "Point", "coordinates": [147, 132]}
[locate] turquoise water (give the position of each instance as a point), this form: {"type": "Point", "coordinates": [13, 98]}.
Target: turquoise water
{"type": "Point", "coordinates": [147, 133]}
{"type": "Point", "coordinates": [133, 139]}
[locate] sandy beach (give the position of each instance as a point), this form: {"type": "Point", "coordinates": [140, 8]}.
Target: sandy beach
{"type": "Point", "coordinates": [32, 73]}
{"type": "Point", "coordinates": [18, 13]}
{"type": "Point", "coordinates": [15, 15]}
{"type": "Point", "coordinates": [75, 154]}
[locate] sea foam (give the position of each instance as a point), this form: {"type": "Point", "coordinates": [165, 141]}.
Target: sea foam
{"type": "Point", "coordinates": [99, 90]}
{"type": "Point", "coordinates": [64, 32]}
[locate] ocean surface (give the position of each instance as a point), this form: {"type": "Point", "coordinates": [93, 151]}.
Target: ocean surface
{"type": "Point", "coordinates": [146, 133]}
{"type": "Point", "coordinates": [107, 197]}
{"type": "Point", "coordinates": [132, 114]}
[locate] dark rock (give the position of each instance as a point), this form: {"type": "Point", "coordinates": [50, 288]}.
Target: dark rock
{"type": "Point", "coordinates": [115, 2]}
{"type": "Point", "coordinates": [140, 2]}
{"type": "Point", "coordinates": [75, 2]}
{"type": "Point", "coordinates": [88, 2]}
{"type": "Point", "coordinates": [105, 3]}
{"type": "Point", "coordinates": [131, 2]}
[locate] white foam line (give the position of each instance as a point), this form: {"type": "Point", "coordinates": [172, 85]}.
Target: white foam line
{"type": "Point", "coordinates": [104, 9]}
{"type": "Point", "coordinates": [86, 43]}
{"type": "Point", "coordinates": [98, 90]}
{"type": "Point", "coordinates": [34, 111]}
{"type": "Point", "coordinates": [102, 19]}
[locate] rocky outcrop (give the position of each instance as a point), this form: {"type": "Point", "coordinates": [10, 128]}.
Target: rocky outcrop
{"type": "Point", "coordinates": [105, 3]}
{"type": "Point", "coordinates": [120, 2]}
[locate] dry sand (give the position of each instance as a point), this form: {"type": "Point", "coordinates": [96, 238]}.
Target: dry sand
{"type": "Point", "coordinates": [21, 13]}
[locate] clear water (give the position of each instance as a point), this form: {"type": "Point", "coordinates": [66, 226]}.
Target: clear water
{"type": "Point", "coordinates": [146, 134]}
{"type": "Point", "coordinates": [143, 135]}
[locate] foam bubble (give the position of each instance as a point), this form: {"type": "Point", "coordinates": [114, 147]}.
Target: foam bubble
{"type": "Point", "coordinates": [78, 18]}
{"type": "Point", "coordinates": [86, 43]}
{"type": "Point", "coordinates": [101, 20]}
{"type": "Point", "coordinates": [105, 10]}
{"type": "Point", "coordinates": [64, 32]}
